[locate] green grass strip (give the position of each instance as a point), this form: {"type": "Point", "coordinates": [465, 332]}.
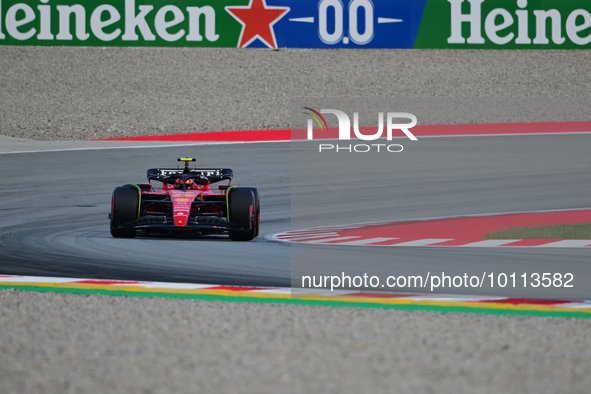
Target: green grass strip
{"type": "Point", "coordinates": [303, 301]}
{"type": "Point", "coordinates": [563, 231]}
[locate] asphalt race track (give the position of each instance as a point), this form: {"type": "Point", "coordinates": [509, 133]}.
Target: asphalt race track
{"type": "Point", "coordinates": [55, 204]}
{"type": "Point", "coordinates": [61, 227]}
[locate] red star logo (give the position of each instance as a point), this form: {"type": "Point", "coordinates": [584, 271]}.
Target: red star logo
{"type": "Point", "coordinates": [257, 20]}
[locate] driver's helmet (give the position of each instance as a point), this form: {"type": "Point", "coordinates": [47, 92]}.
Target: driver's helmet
{"type": "Point", "coordinates": [190, 184]}
{"type": "Point", "coordinates": [178, 184]}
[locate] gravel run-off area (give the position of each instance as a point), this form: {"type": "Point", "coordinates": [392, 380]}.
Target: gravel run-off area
{"type": "Point", "coordinates": [63, 343]}
{"type": "Point", "coordinates": [79, 93]}
{"type": "Point", "coordinates": [58, 343]}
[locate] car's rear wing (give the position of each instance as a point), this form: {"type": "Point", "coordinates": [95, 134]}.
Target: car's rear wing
{"type": "Point", "coordinates": [212, 174]}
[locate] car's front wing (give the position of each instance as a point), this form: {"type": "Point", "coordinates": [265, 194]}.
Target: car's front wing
{"type": "Point", "coordinates": [196, 223]}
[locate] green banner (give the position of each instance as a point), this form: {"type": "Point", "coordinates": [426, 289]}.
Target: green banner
{"type": "Point", "coordinates": [505, 24]}
{"type": "Point", "coordinates": [203, 23]}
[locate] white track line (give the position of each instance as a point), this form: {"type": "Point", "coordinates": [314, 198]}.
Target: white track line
{"type": "Point", "coordinates": [275, 290]}
{"type": "Point", "coordinates": [422, 242]}
{"type": "Point", "coordinates": [301, 239]}
{"type": "Point", "coordinates": [489, 242]}
{"type": "Point", "coordinates": [567, 243]}
{"type": "Point", "coordinates": [366, 241]}
{"type": "Point", "coordinates": [584, 305]}
{"type": "Point", "coordinates": [466, 299]}
{"type": "Point", "coordinates": [329, 240]}
{"type": "Point", "coordinates": [100, 148]}
{"type": "Point", "coordinates": [312, 291]}
{"type": "Point", "coordinates": [307, 234]}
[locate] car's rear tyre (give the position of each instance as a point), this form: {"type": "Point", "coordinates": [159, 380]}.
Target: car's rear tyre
{"type": "Point", "coordinates": [257, 209]}
{"type": "Point", "coordinates": [124, 209]}
{"type": "Point", "coordinates": [242, 211]}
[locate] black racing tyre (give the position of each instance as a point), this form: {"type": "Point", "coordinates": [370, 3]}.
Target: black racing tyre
{"type": "Point", "coordinates": [257, 209]}
{"type": "Point", "coordinates": [241, 207]}
{"type": "Point", "coordinates": [124, 209]}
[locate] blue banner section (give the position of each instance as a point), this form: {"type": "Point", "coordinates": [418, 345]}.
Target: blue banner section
{"type": "Point", "coordinates": [346, 24]}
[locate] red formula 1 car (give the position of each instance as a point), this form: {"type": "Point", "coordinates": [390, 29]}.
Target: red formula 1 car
{"type": "Point", "coordinates": [186, 205]}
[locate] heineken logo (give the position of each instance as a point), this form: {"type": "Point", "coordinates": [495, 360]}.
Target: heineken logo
{"type": "Point", "coordinates": [505, 24]}
{"type": "Point", "coordinates": [502, 26]}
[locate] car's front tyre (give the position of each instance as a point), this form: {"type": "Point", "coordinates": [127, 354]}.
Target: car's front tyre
{"type": "Point", "coordinates": [243, 212]}
{"type": "Point", "coordinates": [124, 209]}
{"type": "Point", "coordinates": [257, 209]}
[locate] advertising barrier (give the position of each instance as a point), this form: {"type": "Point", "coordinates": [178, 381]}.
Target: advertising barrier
{"type": "Point", "coordinates": [459, 24]}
